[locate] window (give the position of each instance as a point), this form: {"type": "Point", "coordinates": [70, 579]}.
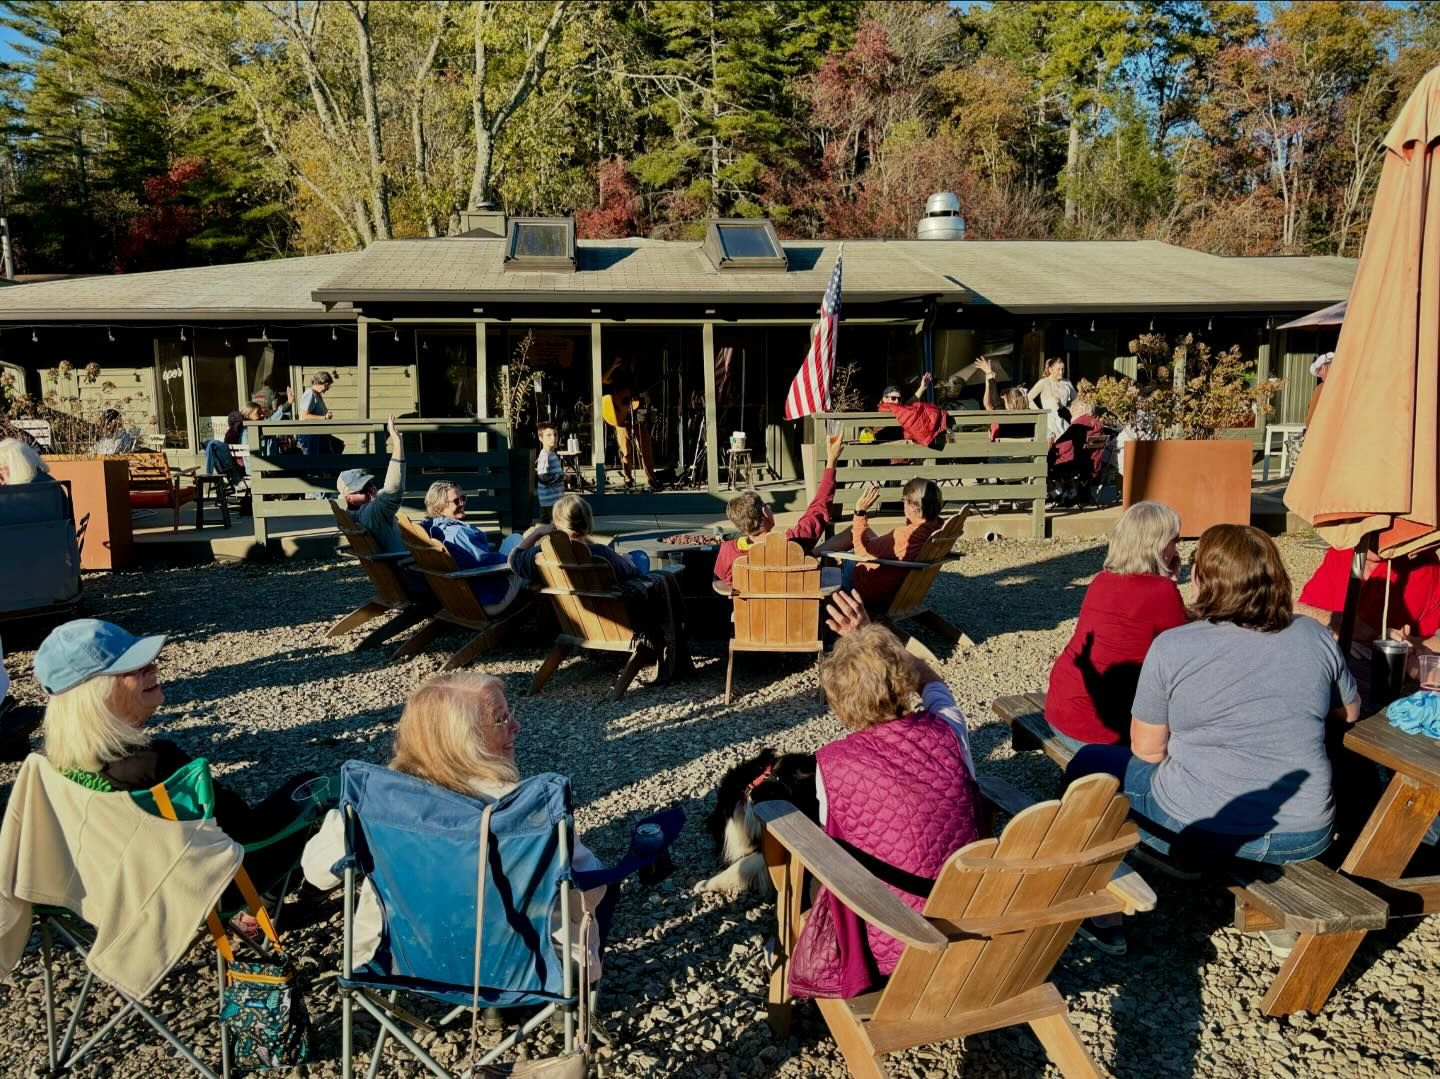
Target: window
{"type": "Point", "coordinates": [744, 244]}
{"type": "Point", "coordinates": [541, 244]}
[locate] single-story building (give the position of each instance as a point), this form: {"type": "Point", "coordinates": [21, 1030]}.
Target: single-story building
{"type": "Point", "coordinates": [712, 331]}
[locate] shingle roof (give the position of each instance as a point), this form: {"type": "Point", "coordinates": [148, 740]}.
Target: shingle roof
{"type": "Point", "coordinates": [1023, 276]}
{"type": "Point", "coordinates": [279, 288]}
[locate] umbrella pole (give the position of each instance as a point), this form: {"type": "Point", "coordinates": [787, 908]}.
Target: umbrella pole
{"type": "Point", "coordinates": [1352, 592]}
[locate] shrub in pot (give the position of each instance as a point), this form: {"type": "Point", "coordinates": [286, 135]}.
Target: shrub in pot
{"type": "Point", "coordinates": [1179, 404]}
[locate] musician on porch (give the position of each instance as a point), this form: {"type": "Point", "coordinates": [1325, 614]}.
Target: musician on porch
{"type": "Point", "coordinates": [619, 383]}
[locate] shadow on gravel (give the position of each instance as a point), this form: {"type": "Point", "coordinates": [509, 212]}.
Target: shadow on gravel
{"type": "Point", "coordinates": [1007, 601]}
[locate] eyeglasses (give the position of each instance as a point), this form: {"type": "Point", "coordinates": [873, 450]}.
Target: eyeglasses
{"type": "Point", "coordinates": [892, 397]}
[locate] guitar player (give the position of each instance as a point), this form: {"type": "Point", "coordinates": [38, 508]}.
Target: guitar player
{"type": "Point", "coordinates": [619, 383]}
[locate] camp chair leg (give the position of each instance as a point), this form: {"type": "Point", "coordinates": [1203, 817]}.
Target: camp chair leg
{"type": "Point", "coordinates": [419, 640]}
{"type": "Point", "coordinates": [379, 1047]}
{"type": "Point", "coordinates": [408, 617]}
{"type": "Point", "coordinates": [47, 975]}
{"type": "Point", "coordinates": [552, 662]}
{"type": "Point", "coordinates": [1063, 1046]}
{"type": "Point", "coordinates": [729, 675]}
{"type": "Point", "coordinates": [387, 1023]}
{"type": "Point", "coordinates": [477, 644]}
{"type": "Point", "coordinates": [347, 1034]}
{"type": "Point", "coordinates": [358, 617]}
{"type": "Point", "coordinates": [66, 1042]}
{"type": "Point", "coordinates": [638, 658]}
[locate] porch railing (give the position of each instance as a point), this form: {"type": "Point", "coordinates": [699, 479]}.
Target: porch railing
{"type": "Point", "coordinates": [969, 468]}
{"type": "Point", "coordinates": [285, 484]}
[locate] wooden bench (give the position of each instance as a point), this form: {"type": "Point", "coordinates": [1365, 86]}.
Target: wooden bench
{"type": "Point", "coordinates": [1329, 911]}
{"type": "Point", "coordinates": [154, 484]}
{"type": "Point", "coordinates": [969, 467]}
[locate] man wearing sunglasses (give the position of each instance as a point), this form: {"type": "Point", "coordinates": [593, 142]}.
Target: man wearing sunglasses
{"type": "Point", "coordinates": [923, 423]}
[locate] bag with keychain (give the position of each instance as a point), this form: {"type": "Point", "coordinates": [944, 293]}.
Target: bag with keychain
{"type": "Point", "coordinates": [575, 1065]}
{"type": "Point", "coordinates": [261, 1006]}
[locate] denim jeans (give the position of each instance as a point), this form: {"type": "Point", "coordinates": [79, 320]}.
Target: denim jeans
{"type": "Point", "coordinates": [1163, 833]}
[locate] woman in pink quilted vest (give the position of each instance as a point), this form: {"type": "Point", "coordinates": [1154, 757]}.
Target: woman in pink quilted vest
{"type": "Point", "coordinates": [899, 791]}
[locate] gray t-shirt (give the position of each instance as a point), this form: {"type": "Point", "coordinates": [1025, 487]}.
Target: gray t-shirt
{"type": "Point", "coordinates": [1246, 712]}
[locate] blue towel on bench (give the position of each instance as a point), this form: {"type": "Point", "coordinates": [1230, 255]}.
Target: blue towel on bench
{"type": "Point", "coordinates": [1418, 713]}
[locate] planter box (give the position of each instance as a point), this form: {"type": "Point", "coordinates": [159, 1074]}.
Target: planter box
{"type": "Point", "coordinates": [1207, 483]}
{"type": "Point", "coordinates": [100, 486]}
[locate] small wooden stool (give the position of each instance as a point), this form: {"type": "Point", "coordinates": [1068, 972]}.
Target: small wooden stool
{"type": "Point", "coordinates": [738, 461]}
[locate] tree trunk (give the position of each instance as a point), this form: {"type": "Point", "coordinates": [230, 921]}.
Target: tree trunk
{"type": "Point", "coordinates": [417, 130]}
{"type": "Point", "coordinates": [714, 123]}
{"type": "Point", "coordinates": [379, 182]}
{"type": "Point", "coordinates": [1072, 166]}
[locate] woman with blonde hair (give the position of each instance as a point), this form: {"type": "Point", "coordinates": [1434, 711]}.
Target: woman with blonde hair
{"type": "Point", "coordinates": [20, 463]}
{"type": "Point", "coordinates": [104, 686]}
{"type": "Point", "coordinates": [572, 515]}
{"type": "Point", "coordinates": [457, 731]}
{"type": "Point", "coordinates": [1131, 602]}
{"type": "Point", "coordinates": [899, 790]}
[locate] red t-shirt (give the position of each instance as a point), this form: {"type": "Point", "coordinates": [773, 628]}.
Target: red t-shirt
{"type": "Point", "coordinates": [1092, 685]}
{"type": "Point", "coordinates": [1414, 593]}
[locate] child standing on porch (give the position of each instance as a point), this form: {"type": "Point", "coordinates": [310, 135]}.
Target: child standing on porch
{"type": "Point", "coordinates": [549, 477]}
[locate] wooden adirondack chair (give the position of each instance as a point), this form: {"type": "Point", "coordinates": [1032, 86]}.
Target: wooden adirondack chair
{"type": "Point", "coordinates": [386, 577]}
{"type": "Point", "coordinates": [777, 595]}
{"type": "Point", "coordinates": [909, 602]}
{"type": "Point", "coordinates": [458, 605]}
{"type": "Point", "coordinates": [590, 609]}
{"type": "Point", "coordinates": [979, 957]}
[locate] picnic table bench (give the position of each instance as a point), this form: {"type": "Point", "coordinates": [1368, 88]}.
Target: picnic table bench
{"type": "Point", "coordinates": [1330, 912]}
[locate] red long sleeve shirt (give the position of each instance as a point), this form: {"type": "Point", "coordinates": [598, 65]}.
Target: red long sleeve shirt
{"type": "Point", "coordinates": [806, 532]}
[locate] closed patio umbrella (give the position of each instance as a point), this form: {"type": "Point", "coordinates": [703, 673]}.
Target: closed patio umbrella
{"type": "Point", "coordinates": [1326, 317]}
{"type": "Point", "coordinates": [1372, 452]}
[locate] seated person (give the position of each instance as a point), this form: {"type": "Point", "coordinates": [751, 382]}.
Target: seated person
{"type": "Point", "coordinates": [104, 686]}
{"type": "Point", "coordinates": [374, 507]}
{"type": "Point", "coordinates": [114, 437]}
{"type": "Point", "coordinates": [1131, 602]}
{"type": "Point", "coordinates": [1013, 399]}
{"type": "Point", "coordinates": [1414, 599]}
{"type": "Point", "coordinates": [19, 463]}
{"type": "Point", "coordinates": [749, 513]}
{"type": "Point", "coordinates": [235, 433]}
{"type": "Point", "coordinates": [876, 584]}
{"type": "Point", "coordinates": [445, 521]}
{"type": "Point", "coordinates": [1075, 466]}
{"type": "Point", "coordinates": [1227, 753]}
{"type": "Point", "coordinates": [571, 514]}
{"type": "Point", "coordinates": [923, 423]}
{"type": "Point", "coordinates": [906, 763]}
{"type": "Point", "coordinates": [457, 732]}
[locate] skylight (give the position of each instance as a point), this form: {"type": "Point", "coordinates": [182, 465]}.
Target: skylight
{"type": "Point", "coordinates": [743, 244]}
{"type": "Point", "coordinates": [540, 244]}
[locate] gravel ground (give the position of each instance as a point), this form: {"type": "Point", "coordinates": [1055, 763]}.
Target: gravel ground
{"type": "Point", "coordinates": [252, 683]}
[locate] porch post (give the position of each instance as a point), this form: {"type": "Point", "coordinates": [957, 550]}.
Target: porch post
{"type": "Point", "coordinates": [597, 421]}
{"type": "Point", "coordinates": [482, 384]}
{"type": "Point", "coordinates": [362, 374]}
{"type": "Point", "coordinates": [712, 443]}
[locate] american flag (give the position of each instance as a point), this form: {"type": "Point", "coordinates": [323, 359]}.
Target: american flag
{"type": "Point", "coordinates": [810, 392]}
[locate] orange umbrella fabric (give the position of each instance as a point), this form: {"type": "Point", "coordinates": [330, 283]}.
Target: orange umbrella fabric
{"type": "Point", "coordinates": [1371, 461]}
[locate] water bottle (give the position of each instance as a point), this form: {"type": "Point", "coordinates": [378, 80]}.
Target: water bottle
{"type": "Point", "coordinates": [646, 839]}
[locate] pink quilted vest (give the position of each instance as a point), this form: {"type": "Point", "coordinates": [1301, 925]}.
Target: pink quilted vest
{"type": "Point", "coordinates": [900, 792]}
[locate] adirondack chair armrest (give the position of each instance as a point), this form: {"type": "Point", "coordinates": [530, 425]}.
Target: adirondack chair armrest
{"type": "Point", "coordinates": [1127, 884]}
{"type": "Point", "coordinates": [184, 471]}
{"type": "Point", "coordinates": [1085, 906]}
{"type": "Point", "coordinates": [851, 556]}
{"type": "Point", "coordinates": [851, 882]}
{"type": "Point", "coordinates": [573, 592]}
{"type": "Point", "coordinates": [398, 557]}
{"type": "Point", "coordinates": [481, 571]}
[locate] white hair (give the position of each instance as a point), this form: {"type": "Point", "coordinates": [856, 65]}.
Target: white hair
{"type": "Point", "coordinates": [20, 463]}
{"type": "Point", "coordinates": [1141, 535]}
{"type": "Point", "coordinates": [83, 730]}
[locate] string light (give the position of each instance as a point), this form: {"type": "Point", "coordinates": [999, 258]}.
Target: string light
{"type": "Point", "coordinates": [397, 337]}
{"type": "Point", "coordinates": [34, 338]}
{"type": "Point", "coordinates": [1152, 325]}
{"type": "Point", "coordinates": [264, 334]}
{"type": "Point", "coordinates": [1092, 325]}
{"type": "Point", "coordinates": [110, 333]}
{"type": "Point", "coordinates": [182, 333]}
{"type": "Point", "coordinates": [1209, 323]}
{"type": "Point", "coordinates": [332, 334]}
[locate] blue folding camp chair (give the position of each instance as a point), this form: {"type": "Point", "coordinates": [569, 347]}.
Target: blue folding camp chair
{"type": "Point", "coordinates": [418, 845]}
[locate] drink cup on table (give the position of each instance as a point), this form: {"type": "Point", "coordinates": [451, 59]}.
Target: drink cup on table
{"type": "Point", "coordinates": [1430, 672]}
{"type": "Point", "coordinates": [1388, 660]}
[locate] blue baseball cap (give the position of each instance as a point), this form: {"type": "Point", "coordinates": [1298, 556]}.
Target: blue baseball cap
{"type": "Point", "coordinates": [77, 651]}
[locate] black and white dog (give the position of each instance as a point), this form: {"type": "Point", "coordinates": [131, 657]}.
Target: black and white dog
{"type": "Point", "coordinates": [733, 826]}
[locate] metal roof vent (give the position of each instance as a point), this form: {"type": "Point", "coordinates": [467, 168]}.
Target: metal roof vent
{"type": "Point", "coordinates": [942, 220]}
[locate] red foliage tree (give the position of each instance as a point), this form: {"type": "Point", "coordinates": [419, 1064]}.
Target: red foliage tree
{"type": "Point", "coordinates": [156, 237]}
{"type": "Point", "coordinates": [621, 211]}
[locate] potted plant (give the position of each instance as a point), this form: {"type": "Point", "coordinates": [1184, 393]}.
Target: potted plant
{"type": "Point", "coordinates": [1179, 405]}
{"type": "Point", "coordinates": [99, 484]}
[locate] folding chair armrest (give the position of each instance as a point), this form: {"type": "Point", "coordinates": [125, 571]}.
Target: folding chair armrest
{"type": "Point", "coordinates": [851, 882]}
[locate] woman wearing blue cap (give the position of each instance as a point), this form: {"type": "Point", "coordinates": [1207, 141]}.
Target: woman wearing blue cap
{"type": "Point", "coordinates": [104, 685]}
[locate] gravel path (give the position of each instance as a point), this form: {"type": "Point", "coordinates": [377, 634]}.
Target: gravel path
{"type": "Point", "coordinates": [252, 683]}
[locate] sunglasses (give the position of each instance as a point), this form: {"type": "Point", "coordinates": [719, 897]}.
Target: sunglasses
{"type": "Point", "coordinates": [892, 397]}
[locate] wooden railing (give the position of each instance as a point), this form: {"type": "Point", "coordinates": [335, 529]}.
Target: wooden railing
{"type": "Point", "coordinates": [284, 484]}
{"type": "Point", "coordinates": [969, 468]}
